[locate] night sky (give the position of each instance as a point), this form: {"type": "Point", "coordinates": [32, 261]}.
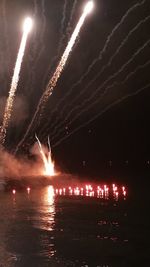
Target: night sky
{"type": "Point", "coordinates": [92, 121]}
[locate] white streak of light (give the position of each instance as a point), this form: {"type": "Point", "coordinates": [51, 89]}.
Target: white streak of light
{"type": "Point", "coordinates": [13, 88]}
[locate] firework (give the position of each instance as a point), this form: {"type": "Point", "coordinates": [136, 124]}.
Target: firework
{"type": "Point", "coordinates": [60, 67]}
{"type": "Point", "coordinates": [53, 81]}
{"type": "Point", "coordinates": [95, 61]}
{"type": "Point", "coordinates": [47, 160]}
{"type": "Point", "coordinates": [9, 104]}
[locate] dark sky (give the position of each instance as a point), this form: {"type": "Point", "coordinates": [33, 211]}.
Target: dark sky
{"type": "Point", "coordinates": [92, 120]}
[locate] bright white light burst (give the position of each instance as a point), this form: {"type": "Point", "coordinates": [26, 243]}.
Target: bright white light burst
{"type": "Point", "coordinates": [88, 7]}
{"type": "Point", "coordinates": [27, 24]}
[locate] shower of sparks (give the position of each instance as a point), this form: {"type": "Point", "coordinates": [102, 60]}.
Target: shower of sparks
{"type": "Point", "coordinates": [9, 104]}
{"type": "Point", "coordinates": [47, 160]}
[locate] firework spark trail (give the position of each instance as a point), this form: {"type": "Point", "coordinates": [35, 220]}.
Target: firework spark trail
{"type": "Point", "coordinates": [71, 17]}
{"type": "Point", "coordinates": [62, 34]}
{"type": "Point", "coordinates": [104, 93]}
{"type": "Point", "coordinates": [53, 81]}
{"type": "Point", "coordinates": [35, 15]}
{"type": "Point", "coordinates": [41, 151]}
{"type": "Point", "coordinates": [2, 48]}
{"type": "Point", "coordinates": [7, 59]}
{"type": "Point", "coordinates": [62, 28]}
{"type": "Point", "coordinates": [61, 38]}
{"type": "Point", "coordinates": [38, 47]}
{"type": "Point", "coordinates": [110, 36]}
{"type": "Point", "coordinates": [61, 31]}
{"type": "Point", "coordinates": [13, 88]}
{"type": "Point", "coordinates": [99, 88]}
{"type": "Point", "coordinates": [32, 54]}
{"type": "Point", "coordinates": [55, 125]}
{"type": "Point", "coordinates": [64, 58]}
{"type": "Point", "coordinates": [49, 152]}
{"type": "Point", "coordinates": [42, 44]}
{"type": "Point", "coordinates": [49, 145]}
{"type": "Point", "coordinates": [99, 114]}
{"type": "Point", "coordinates": [139, 67]}
{"type": "Point", "coordinates": [48, 164]}
{"type": "Point", "coordinates": [1, 54]}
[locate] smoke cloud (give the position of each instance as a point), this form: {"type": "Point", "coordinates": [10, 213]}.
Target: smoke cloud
{"type": "Point", "coordinates": [10, 166]}
{"type": "Point", "coordinates": [20, 110]}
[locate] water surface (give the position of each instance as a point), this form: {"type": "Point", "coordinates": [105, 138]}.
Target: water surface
{"type": "Point", "coordinates": [73, 226]}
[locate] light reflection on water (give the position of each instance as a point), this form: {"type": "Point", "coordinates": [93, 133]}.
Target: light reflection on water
{"type": "Point", "coordinates": [63, 226]}
{"type": "Point", "coordinates": [46, 219]}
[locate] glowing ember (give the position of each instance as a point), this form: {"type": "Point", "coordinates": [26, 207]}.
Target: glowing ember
{"type": "Point", "coordinates": [47, 159]}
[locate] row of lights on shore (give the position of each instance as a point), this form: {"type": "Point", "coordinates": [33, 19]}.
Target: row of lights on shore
{"type": "Point", "coordinates": [99, 192]}
{"type": "Point", "coordinates": [88, 190]}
